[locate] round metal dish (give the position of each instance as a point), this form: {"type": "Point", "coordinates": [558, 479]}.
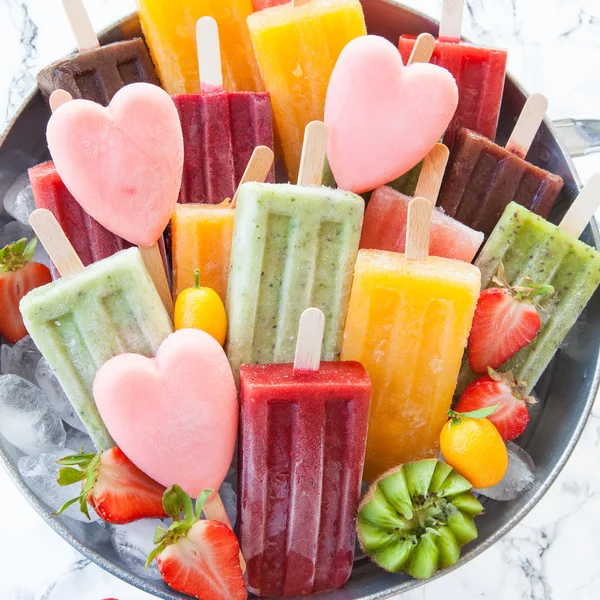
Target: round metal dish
{"type": "Point", "coordinates": [566, 391]}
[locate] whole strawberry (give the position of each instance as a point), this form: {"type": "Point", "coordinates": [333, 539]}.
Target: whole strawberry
{"type": "Point", "coordinates": [18, 276]}
{"type": "Point", "coordinates": [506, 320]}
{"type": "Point", "coordinates": [199, 558]}
{"type": "Point", "coordinates": [512, 416]}
{"type": "Point", "coordinates": [113, 486]}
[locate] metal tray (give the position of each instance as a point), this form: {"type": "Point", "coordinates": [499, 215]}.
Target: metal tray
{"type": "Point", "coordinates": [566, 391]}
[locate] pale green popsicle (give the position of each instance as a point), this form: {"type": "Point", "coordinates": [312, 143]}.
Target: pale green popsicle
{"type": "Point", "coordinates": [81, 322]}
{"type": "Point", "coordinates": [529, 246]}
{"type": "Point", "coordinates": [293, 248]}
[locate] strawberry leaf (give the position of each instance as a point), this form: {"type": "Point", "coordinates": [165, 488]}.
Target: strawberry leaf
{"type": "Point", "coordinates": [482, 413]}
{"type": "Point", "coordinates": [69, 476]}
{"type": "Point", "coordinates": [29, 250]}
{"type": "Point", "coordinates": [65, 506]}
{"type": "Point", "coordinates": [175, 502]}
{"type": "Point", "coordinates": [160, 534]}
{"type": "Point", "coordinates": [201, 501]}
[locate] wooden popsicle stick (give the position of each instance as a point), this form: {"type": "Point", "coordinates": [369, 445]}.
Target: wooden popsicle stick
{"type": "Point", "coordinates": [81, 25]}
{"type": "Point", "coordinates": [156, 268]}
{"type": "Point", "coordinates": [215, 511]}
{"type": "Point", "coordinates": [209, 55]}
{"type": "Point", "coordinates": [258, 169]}
{"type": "Point", "coordinates": [527, 126]}
{"type": "Point", "coordinates": [432, 173]}
{"type": "Point", "coordinates": [583, 209]}
{"type": "Point", "coordinates": [417, 230]}
{"type": "Point", "coordinates": [58, 98]}
{"type": "Point", "coordinates": [310, 341]}
{"type": "Point", "coordinates": [422, 50]}
{"type": "Point", "coordinates": [55, 242]}
{"type": "Point", "coordinates": [313, 154]}
{"type": "Point", "coordinates": [451, 21]}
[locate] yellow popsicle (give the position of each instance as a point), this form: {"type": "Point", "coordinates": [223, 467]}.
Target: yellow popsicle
{"type": "Point", "coordinates": [297, 48]}
{"type": "Point", "coordinates": [170, 30]}
{"type": "Point", "coordinates": [408, 324]}
{"type": "Point", "coordinates": [202, 235]}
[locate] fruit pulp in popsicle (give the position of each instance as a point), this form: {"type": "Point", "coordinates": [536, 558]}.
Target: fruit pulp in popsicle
{"type": "Point", "coordinates": [529, 246]}
{"type": "Point", "coordinates": [293, 248]}
{"type": "Point", "coordinates": [386, 220]}
{"type": "Point", "coordinates": [408, 324]}
{"type": "Point", "coordinates": [170, 30]}
{"type": "Point", "coordinates": [80, 322]}
{"type": "Point", "coordinates": [479, 74]}
{"type": "Point", "coordinates": [297, 48]}
{"type": "Point", "coordinates": [483, 178]}
{"type": "Point", "coordinates": [98, 74]}
{"type": "Point", "coordinates": [220, 132]}
{"type": "Point", "coordinates": [302, 449]}
{"type": "Point", "coordinates": [202, 235]}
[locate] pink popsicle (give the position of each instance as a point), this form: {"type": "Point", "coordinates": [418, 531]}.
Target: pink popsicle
{"type": "Point", "coordinates": [385, 223]}
{"type": "Point", "coordinates": [122, 163]}
{"type": "Point", "coordinates": [383, 117]}
{"type": "Point", "coordinates": [174, 416]}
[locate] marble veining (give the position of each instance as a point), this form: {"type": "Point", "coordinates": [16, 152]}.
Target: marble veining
{"type": "Point", "coordinates": [554, 48]}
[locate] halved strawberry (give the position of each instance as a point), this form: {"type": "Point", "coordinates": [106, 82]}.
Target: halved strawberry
{"type": "Point", "coordinates": [113, 486]}
{"type": "Point", "coordinates": [511, 417]}
{"type": "Point", "coordinates": [196, 557]}
{"type": "Point", "coordinates": [18, 276]}
{"type": "Point", "coordinates": [506, 320]}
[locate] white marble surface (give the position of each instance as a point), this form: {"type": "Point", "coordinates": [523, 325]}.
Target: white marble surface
{"type": "Point", "coordinates": [553, 555]}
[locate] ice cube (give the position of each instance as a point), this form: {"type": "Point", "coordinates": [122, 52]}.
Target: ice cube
{"type": "Point", "coordinates": [49, 384]}
{"type": "Point", "coordinates": [16, 202]}
{"type": "Point", "coordinates": [229, 498]}
{"type": "Point", "coordinates": [40, 472]}
{"type": "Point", "coordinates": [78, 439]}
{"type": "Point", "coordinates": [133, 543]}
{"type": "Point", "coordinates": [13, 232]}
{"type": "Point", "coordinates": [27, 419]}
{"type": "Point", "coordinates": [519, 478]}
{"type": "Point", "coordinates": [21, 359]}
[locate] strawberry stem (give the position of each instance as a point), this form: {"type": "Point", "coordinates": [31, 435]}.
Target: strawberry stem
{"type": "Point", "coordinates": [15, 256]}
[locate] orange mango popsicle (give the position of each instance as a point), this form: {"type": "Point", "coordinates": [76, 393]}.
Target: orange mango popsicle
{"type": "Point", "coordinates": [297, 48]}
{"type": "Point", "coordinates": [170, 30]}
{"type": "Point", "coordinates": [202, 235]}
{"type": "Point", "coordinates": [408, 324]}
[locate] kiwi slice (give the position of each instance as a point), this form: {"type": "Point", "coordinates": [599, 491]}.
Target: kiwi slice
{"type": "Point", "coordinates": [416, 518]}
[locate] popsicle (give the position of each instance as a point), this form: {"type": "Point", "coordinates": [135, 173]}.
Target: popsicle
{"type": "Point", "coordinates": [131, 193]}
{"type": "Point", "coordinates": [220, 128]}
{"type": "Point", "coordinates": [374, 100]}
{"type": "Point", "coordinates": [386, 217]}
{"type": "Point", "coordinates": [406, 183]}
{"type": "Point", "coordinates": [303, 431]}
{"type": "Point", "coordinates": [91, 241]}
{"type": "Point", "coordinates": [92, 314]}
{"type": "Point", "coordinates": [483, 177]}
{"type": "Point", "coordinates": [170, 30]}
{"type": "Point", "coordinates": [297, 46]}
{"type": "Point", "coordinates": [529, 246]}
{"type": "Point", "coordinates": [202, 234]}
{"type": "Point", "coordinates": [293, 247]}
{"type": "Point", "coordinates": [479, 73]}
{"type": "Point", "coordinates": [408, 322]}
{"type": "Point", "coordinates": [96, 72]}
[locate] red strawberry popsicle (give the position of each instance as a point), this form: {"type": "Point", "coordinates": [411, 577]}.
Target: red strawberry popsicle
{"type": "Point", "coordinates": [221, 129]}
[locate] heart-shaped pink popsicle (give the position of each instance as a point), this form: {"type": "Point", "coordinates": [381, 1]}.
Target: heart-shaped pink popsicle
{"type": "Point", "coordinates": [383, 117]}
{"type": "Point", "coordinates": [122, 163]}
{"type": "Point", "coordinates": [175, 416]}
